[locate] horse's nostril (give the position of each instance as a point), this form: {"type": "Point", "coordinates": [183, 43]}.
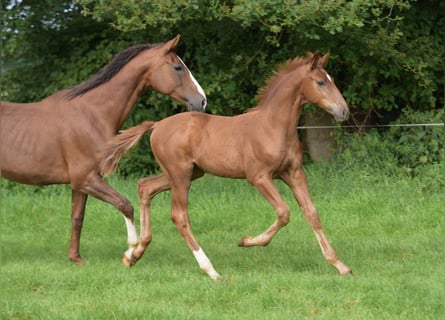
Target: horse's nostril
{"type": "Point", "coordinates": [204, 103]}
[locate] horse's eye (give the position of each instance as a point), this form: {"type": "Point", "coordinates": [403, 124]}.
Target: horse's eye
{"type": "Point", "coordinates": [178, 67]}
{"type": "Point", "coordinates": [321, 83]}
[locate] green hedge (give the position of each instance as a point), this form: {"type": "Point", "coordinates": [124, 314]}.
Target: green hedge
{"type": "Point", "coordinates": [386, 55]}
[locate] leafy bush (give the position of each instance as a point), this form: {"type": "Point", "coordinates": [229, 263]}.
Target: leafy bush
{"type": "Point", "coordinates": [385, 55]}
{"type": "Point", "coordinates": [416, 147]}
{"type": "Point", "coordinates": [398, 150]}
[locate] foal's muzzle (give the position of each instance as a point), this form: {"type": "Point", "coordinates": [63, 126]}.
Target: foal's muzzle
{"type": "Point", "coordinates": [340, 113]}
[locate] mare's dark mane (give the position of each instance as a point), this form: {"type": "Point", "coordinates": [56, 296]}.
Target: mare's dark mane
{"type": "Point", "coordinates": [282, 70]}
{"type": "Point", "coordinates": [109, 71]}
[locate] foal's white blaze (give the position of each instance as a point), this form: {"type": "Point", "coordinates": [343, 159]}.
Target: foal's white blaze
{"type": "Point", "coordinates": [328, 76]}
{"type": "Point", "coordinates": [205, 264]}
{"type": "Point", "coordinates": [198, 87]}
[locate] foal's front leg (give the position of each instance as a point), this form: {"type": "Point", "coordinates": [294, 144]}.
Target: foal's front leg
{"type": "Point", "coordinates": [267, 188]}
{"type": "Point", "coordinates": [298, 183]}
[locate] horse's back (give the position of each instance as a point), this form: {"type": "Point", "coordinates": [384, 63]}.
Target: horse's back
{"type": "Point", "coordinates": [210, 142]}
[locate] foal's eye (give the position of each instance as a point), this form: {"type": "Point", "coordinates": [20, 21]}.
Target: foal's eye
{"type": "Point", "coordinates": [178, 67]}
{"type": "Point", "coordinates": [321, 83]}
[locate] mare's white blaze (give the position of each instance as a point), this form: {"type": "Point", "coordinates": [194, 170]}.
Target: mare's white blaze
{"type": "Point", "coordinates": [205, 264]}
{"type": "Point", "coordinates": [131, 233]}
{"type": "Point", "coordinates": [197, 85]}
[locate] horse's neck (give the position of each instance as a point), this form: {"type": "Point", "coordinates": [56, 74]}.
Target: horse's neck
{"type": "Point", "coordinates": [115, 99]}
{"type": "Point", "coordinates": [283, 108]}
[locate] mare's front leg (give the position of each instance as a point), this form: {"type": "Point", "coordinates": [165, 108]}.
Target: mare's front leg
{"type": "Point", "coordinates": [298, 183]}
{"type": "Point", "coordinates": [78, 202]}
{"type": "Point", "coordinates": [148, 188]}
{"type": "Point", "coordinates": [267, 188]}
{"type": "Point", "coordinates": [94, 185]}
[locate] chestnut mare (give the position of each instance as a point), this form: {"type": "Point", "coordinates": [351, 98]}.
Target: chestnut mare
{"type": "Point", "coordinates": [260, 145]}
{"type": "Point", "coordinates": [57, 140]}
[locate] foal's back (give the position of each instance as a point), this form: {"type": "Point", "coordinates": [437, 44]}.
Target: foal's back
{"type": "Point", "coordinates": [222, 146]}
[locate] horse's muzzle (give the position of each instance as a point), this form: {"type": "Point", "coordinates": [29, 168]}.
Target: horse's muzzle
{"type": "Point", "coordinates": [340, 113]}
{"type": "Point", "coordinates": [197, 104]}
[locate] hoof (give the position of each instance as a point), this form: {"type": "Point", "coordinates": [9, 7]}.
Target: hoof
{"type": "Point", "coordinates": [244, 242]}
{"type": "Point", "coordinates": [127, 261]}
{"type": "Point", "coordinates": [252, 242]}
{"type": "Point", "coordinates": [77, 260]}
{"type": "Point", "coordinates": [347, 274]}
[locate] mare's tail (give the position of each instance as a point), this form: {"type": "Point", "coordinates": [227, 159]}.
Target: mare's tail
{"type": "Point", "coordinates": [117, 146]}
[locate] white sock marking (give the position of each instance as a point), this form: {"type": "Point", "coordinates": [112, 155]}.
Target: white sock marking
{"type": "Point", "coordinates": [131, 233]}
{"type": "Point", "coordinates": [205, 264]}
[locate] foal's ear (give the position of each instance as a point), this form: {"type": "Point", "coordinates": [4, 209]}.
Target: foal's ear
{"type": "Point", "coordinates": [170, 45]}
{"type": "Point", "coordinates": [309, 54]}
{"type": "Point", "coordinates": [324, 60]}
{"type": "Point", "coordinates": [314, 60]}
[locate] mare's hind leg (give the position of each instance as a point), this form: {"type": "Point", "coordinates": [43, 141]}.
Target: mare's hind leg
{"type": "Point", "coordinates": [148, 188]}
{"type": "Point", "coordinates": [78, 202]}
{"type": "Point", "coordinates": [298, 183]}
{"type": "Point", "coordinates": [94, 185]}
{"type": "Point", "coordinates": [270, 192]}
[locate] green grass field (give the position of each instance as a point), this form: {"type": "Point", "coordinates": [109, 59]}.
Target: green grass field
{"type": "Point", "coordinates": [390, 231]}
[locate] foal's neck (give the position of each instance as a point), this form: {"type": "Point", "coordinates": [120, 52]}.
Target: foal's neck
{"type": "Point", "coordinates": [284, 104]}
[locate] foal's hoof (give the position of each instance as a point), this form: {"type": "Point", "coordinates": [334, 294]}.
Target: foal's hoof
{"type": "Point", "coordinates": [128, 262]}
{"type": "Point", "coordinates": [245, 242]}
{"type": "Point", "coordinates": [347, 274]}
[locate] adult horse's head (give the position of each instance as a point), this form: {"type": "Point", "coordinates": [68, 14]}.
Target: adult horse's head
{"type": "Point", "coordinates": [319, 88]}
{"type": "Point", "coordinates": [169, 75]}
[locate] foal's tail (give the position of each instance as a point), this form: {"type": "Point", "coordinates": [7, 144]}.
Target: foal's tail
{"type": "Point", "coordinates": [117, 146]}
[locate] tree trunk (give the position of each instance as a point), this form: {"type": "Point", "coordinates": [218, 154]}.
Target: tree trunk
{"type": "Point", "coordinates": [319, 142]}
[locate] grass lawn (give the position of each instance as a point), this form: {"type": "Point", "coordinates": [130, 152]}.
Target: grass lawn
{"type": "Point", "coordinates": [390, 231]}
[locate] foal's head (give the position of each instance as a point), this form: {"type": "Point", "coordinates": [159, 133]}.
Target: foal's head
{"type": "Point", "coordinates": [319, 88]}
{"type": "Point", "coordinates": [169, 75]}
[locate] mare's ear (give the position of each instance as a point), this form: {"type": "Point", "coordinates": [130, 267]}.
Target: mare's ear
{"type": "Point", "coordinates": [314, 60]}
{"type": "Point", "coordinates": [324, 60]}
{"type": "Point", "coordinates": [170, 45]}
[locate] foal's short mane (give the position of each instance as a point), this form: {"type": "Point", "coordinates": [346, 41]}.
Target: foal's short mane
{"type": "Point", "coordinates": [109, 71]}
{"type": "Point", "coordinates": [282, 69]}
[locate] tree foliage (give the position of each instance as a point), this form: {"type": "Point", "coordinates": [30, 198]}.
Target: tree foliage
{"type": "Point", "coordinates": [386, 55]}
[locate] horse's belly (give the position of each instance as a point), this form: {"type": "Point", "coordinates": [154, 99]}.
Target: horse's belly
{"type": "Point", "coordinates": [33, 177]}
{"type": "Point", "coordinates": [36, 168]}
{"type": "Point", "coordinates": [223, 165]}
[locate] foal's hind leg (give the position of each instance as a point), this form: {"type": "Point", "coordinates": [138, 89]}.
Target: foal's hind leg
{"type": "Point", "coordinates": [270, 192]}
{"type": "Point", "coordinates": [298, 183]}
{"type": "Point", "coordinates": [180, 188]}
{"type": "Point", "coordinates": [148, 188]}
{"type": "Point", "coordinates": [180, 218]}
